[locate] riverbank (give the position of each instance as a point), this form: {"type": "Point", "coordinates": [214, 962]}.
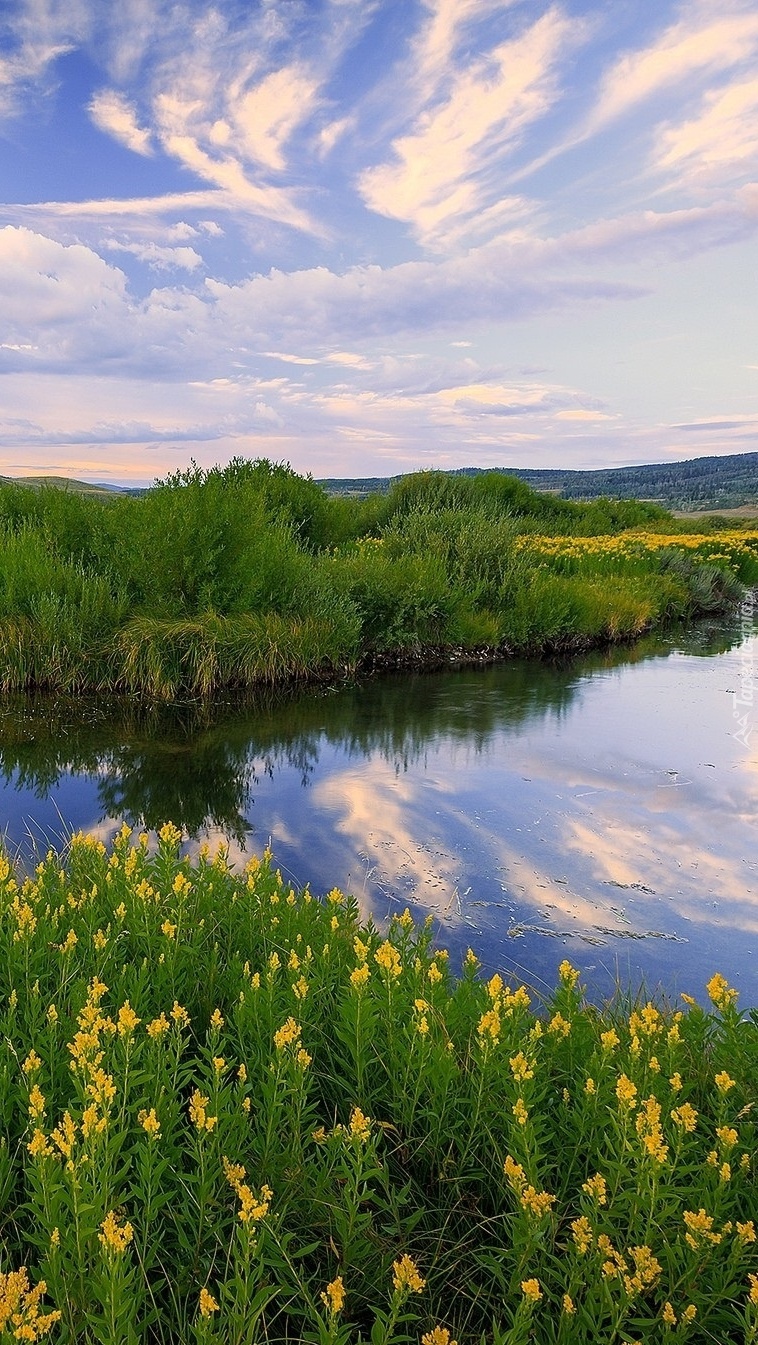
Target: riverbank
{"type": "Point", "coordinates": [233, 1112]}
{"type": "Point", "coordinates": [252, 576]}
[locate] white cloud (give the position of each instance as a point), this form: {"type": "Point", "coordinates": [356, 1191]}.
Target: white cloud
{"type": "Point", "coordinates": [717, 145]}
{"type": "Point", "coordinates": [699, 44]}
{"type": "Point", "coordinates": [442, 177]}
{"type": "Point", "coordinates": [266, 115]}
{"type": "Point", "coordinates": [113, 114]}
{"type": "Point", "coordinates": [158, 258]}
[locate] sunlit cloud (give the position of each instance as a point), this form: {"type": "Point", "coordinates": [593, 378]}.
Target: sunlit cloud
{"type": "Point", "coordinates": [111, 113]}
{"type": "Point", "coordinates": [440, 174]}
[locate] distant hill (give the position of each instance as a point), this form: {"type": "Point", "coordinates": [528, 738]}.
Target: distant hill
{"type": "Point", "coordinates": [694, 485]}
{"type": "Point", "coordinates": [101, 488]}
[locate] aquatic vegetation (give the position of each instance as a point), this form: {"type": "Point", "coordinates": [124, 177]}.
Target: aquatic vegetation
{"type": "Point", "coordinates": [232, 1112]}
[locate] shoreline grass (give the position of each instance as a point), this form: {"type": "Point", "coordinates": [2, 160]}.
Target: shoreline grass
{"type": "Point", "coordinates": [232, 1112]}
{"type": "Point", "coordinates": [254, 576]}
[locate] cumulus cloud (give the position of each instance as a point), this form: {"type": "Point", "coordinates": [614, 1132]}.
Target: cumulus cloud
{"type": "Point", "coordinates": [156, 257]}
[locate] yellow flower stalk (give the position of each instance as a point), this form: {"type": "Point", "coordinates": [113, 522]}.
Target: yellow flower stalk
{"type": "Point", "coordinates": [333, 1297]}
{"type": "Point", "coordinates": [113, 1235]}
{"type": "Point", "coordinates": [207, 1303]}
{"type": "Point", "coordinates": [405, 1276]}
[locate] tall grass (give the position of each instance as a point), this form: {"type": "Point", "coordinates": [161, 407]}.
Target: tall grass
{"type": "Point", "coordinates": [251, 575]}
{"type": "Point", "coordinates": [234, 1113]}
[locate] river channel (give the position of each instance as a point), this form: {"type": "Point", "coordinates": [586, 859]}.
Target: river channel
{"type": "Point", "coordinates": [601, 809]}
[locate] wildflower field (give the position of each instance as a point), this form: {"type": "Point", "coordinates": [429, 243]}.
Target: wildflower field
{"type": "Point", "coordinates": [252, 574]}
{"type": "Point", "coordinates": [233, 1112]}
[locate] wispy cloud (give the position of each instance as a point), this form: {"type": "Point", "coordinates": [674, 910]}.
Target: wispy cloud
{"type": "Point", "coordinates": [441, 175]}
{"type": "Point", "coordinates": [719, 144]}
{"type": "Point", "coordinates": [112, 113]}
{"type": "Point", "coordinates": [697, 45]}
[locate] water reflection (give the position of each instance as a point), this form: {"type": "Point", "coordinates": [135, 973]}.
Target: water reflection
{"type": "Point", "coordinates": [601, 808]}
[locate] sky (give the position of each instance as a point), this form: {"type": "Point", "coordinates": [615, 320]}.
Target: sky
{"type": "Point", "coordinates": [370, 236]}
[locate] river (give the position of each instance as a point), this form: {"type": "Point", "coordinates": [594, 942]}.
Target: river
{"type": "Point", "coordinates": [601, 809]}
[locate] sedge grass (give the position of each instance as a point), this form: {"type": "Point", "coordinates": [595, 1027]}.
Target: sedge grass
{"type": "Point", "coordinates": [233, 1112]}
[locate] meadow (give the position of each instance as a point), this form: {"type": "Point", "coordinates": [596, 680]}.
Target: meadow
{"type": "Point", "coordinates": [234, 1112]}
{"type": "Point", "coordinates": [252, 574]}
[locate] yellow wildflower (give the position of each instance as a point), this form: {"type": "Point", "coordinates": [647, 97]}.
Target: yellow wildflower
{"type": "Point", "coordinates": [520, 1067]}
{"type": "Point", "coordinates": [127, 1019]}
{"type": "Point", "coordinates": [610, 1039]}
{"type": "Point", "coordinates": [158, 1026]}
{"type": "Point", "coordinates": [536, 1202]}
{"type": "Point", "coordinates": [746, 1232]}
{"type": "Point", "coordinates": [333, 1297]}
{"type": "Point", "coordinates": [723, 1082]}
{"type": "Point", "coordinates": [359, 976]}
{"type": "Point", "coordinates": [753, 1294]}
{"type": "Point", "coordinates": [32, 1063]}
{"type": "Point", "coordinates": [568, 974]}
{"type": "Point", "coordinates": [20, 1307]}
{"type": "Point", "coordinates": [114, 1236]}
{"type": "Point", "coordinates": [149, 1122]}
{"type": "Point", "coordinates": [198, 1112]}
{"type": "Point", "coordinates": [626, 1091]}
{"type": "Point", "coordinates": [581, 1232]}
{"type": "Point", "coordinates": [520, 1112]}
{"type": "Point", "coordinates": [725, 1172]}
{"type": "Point", "coordinates": [439, 1335]}
{"type": "Point", "coordinates": [559, 1025]}
{"type": "Point", "coordinates": [531, 1290]}
{"type": "Point", "coordinates": [388, 958]}
{"type": "Point", "coordinates": [169, 929]}
{"type": "Point", "coordinates": [38, 1146]}
{"type": "Point", "coordinates": [676, 1083]}
{"type": "Point", "coordinates": [217, 1020]}
{"type": "Point", "coordinates": [36, 1103]}
{"type": "Point", "coordinates": [489, 1025]}
{"type": "Point", "coordinates": [668, 1314]}
{"type": "Point", "coordinates": [288, 1033]}
{"type": "Point", "coordinates": [590, 1087]}
{"type": "Point", "coordinates": [699, 1228]}
{"type": "Point", "coordinates": [360, 1125]}
{"type": "Point", "coordinates": [728, 1136]}
{"type": "Point", "coordinates": [405, 1276]}
{"type": "Point", "coordinates": [207, 1303]}
{"type": "Point", "coordinates": [720, 993]}
{"type": "Point", "coordinates": [597, 1188]}
{"type": "Point", "coordinates": [568, 1305]}
{"type": "Point", "coordinates": [252, 1208]}
{"type": "Point", "coordinates": [685, 1117]}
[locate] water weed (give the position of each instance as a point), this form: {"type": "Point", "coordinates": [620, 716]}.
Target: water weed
{"type": "Point", "coordinates": [233, 1112]}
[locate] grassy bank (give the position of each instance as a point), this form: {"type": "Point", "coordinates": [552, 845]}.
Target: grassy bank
{"type": "Point", "coordinates": [254, 575]}
{"type": "Point", "coordinates": [233, 1113]}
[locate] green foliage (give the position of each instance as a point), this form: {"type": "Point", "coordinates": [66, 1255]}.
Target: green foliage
{"type": "Point", "coordinates": [234, 1113]}
{"type": "Point", "coordinates": [252, 574]}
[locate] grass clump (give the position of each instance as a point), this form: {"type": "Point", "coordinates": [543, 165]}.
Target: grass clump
{"type": "Point", "coordinates": [232, 1112]}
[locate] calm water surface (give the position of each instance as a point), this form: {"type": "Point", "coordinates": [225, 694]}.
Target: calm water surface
{"type": "Point", "coordinates": [602, 810]}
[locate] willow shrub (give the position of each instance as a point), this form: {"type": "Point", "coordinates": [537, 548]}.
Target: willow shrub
{"type": "Point", "coordinates": [232, 1112]}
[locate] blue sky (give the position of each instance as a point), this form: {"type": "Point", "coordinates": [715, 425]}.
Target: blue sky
{"type": "Point", "coordinates": [366, 238]}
